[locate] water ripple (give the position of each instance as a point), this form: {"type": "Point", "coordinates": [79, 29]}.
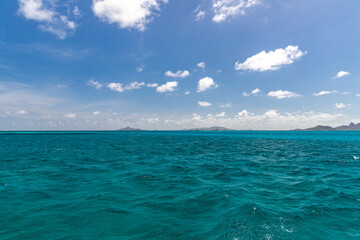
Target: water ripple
{"type": "Point", "coordinates": [180, 185]}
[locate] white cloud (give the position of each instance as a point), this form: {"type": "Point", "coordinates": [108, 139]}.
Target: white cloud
{"type": "Point", "coordinates": [220, 115]}
{"type": "Point", "coordinates": [130, 14]}
{"type": "Point", "coordinates": [21, 112]}
{"type": "Point", "coordinates": [254, 92]}
{"type": "Point", "coordinates": [46, 112]}
{"type": "Point", "coordinates": [271, 114]}
{"type": "Point", "coordinates": [187, 93]}
{"type": "Point", "coordinates": [340, 105]}
{"type": "Point", "coordinates": [70, 115]}
{"type": "Point", "coordinates": [77, 12]}
{"type": "Point", "coordinates": [204, 104]}
{"type": "Point", "coordinates": [167, 87]}
{"type": "Point", "coordinates": [243, 113]}
{"type": "Point", "coordinates": [205, 84]}
{"type": "Point", "coordinates": [342, 74]}
{"type": "Point", "coordinates": [226, 105]}
{"type": "Point", "coordinates": [94, 84]}
{"type": "Point", "coordinates": [200, 15]}
{"type": "Point", "coordinates": [325, 93]}
{"type": "Point", "coordinates": [152, 85]}
{"type": "Point", "coordinates": [140, 68]}
{"type": "Point", "coordinates": [117, 87]}
{"type": "Point", "coordinates": [270, 120]}
{"type": "Point", "coordinates": [134, 85]}
{"type": "Point", "coordinates": [270, 61]}
{"type": "Point", "coordinates": [44, 11]}
{"type": "Point", "coordinates": [35, 10]}
{"type": "Point", "coordinates": [178, 74]}
{"type": "Point", "coordinates": [280, 94]}
{"type": "Point", "coordinates": [196, 117]}
{"type": "Point", "coordinates": [201, 65]}
{"type": "Point", "coordinates": [224, 9]}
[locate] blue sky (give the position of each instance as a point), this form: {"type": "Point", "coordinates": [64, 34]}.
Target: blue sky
{"type": "Point", "coordinates": [171, 64]}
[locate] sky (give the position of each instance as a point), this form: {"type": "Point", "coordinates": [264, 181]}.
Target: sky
{"type": "Point", "coordinates": [178, 64]}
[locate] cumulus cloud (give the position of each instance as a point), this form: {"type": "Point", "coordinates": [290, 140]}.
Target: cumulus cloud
{"type": "Point", "coordinates": [152, 85]}
{"type": "Point", "coordinates": [94, 84]}
{"type": "Point", "coordinates": [325, 93]}
{"type": "Point", "coordinates": [117, 87]}
{"type": "Point", "coordinates": [47, 112]}
{"type": "Point", "coordinates": [253, 93]}
{"type": "Point", "coordinates": [44, 12]}
{"type": "Point", "coordinates": [340, 105]}
{"type": "Point", "coordinates": [167, 87]}
{"type": "Point", "coordinates": [206, 83]}
{"type": "Point", "coordinates": [221, 115]}
{"type": "Point", "coordinates": [243, 113]}
{"type": "Point", "coordinates": [270, 120]}
{"type": "Point", "coordinates": [224, 9]}
{"type": "Point", "coordinates": [187, 93]}
{"type": "Point", "coordinates": [270, 61]}
{"type": "Point", "coordinates": [204, 104]}
{"type": "Point", "coordinates": [280, 94]}
{"type": "Point", "coordinates": [178, 74]}
{"type": "Point", "coordinates": [134, 85]}
{"type": "Point", "coordinates": [35, 10]}
{"type": "Point", "coordinates": [342, 74]}
{"type": "Point", "coordinates": [195, 117]}
{"type": "Point", "coordinates": [201, 65]}
{"type": "Point", "coordinates": [134, 14]}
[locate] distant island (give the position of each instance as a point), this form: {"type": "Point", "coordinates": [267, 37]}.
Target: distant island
{"type": "Point", "coordinates": [216, 128]}
{"type": "Point", "coordinates": [350, 127]}
{"type": "Point", "coordinates": [129, 129]}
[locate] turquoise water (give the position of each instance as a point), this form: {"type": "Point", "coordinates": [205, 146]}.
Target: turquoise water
{"type": "Point", "coordinates": [180, 185]}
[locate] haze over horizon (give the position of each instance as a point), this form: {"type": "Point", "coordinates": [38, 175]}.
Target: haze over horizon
{"type": "Point", "coordinates": [169, 65]}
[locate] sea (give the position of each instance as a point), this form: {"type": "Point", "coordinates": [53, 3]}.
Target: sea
{"type": "Point", "coordinates": [180, 185]}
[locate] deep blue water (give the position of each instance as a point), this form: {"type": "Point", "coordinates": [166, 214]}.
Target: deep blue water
{"type": "Point", "coordinates": [180, 185]}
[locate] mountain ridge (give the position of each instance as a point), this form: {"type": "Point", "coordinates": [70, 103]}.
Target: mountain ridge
{"type": "Point", "coordinates": [215, 128]}
{"type": "Point", "coordinates": [129, 129]}
{"type": "Point", "coordinates": [351, 127]}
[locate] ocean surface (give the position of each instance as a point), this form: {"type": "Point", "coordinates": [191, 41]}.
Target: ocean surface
{"type": "Point", "coordinates": [179, 185]}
